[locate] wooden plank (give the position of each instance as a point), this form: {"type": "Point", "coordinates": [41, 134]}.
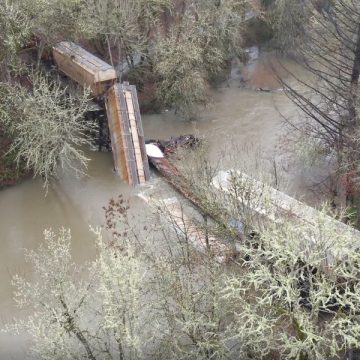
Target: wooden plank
{"type": "Point", "coordinates": [123, 164]}
{"type": "Point", "coordinates": [135, 136]}
{"type": "Point", "coordinates": [110, 116]}
{"type": "Point", "coordinates": [140, 133]}
{"type": "Point", "coordinates": [117, 143]}
{"type": "Point", "coordinates": [126, 148]}
{"type": "Point", "coordinates": [128, 143]}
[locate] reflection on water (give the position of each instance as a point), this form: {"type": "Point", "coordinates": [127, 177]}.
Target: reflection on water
{"type": "Point", "coordinates": [237, 114]}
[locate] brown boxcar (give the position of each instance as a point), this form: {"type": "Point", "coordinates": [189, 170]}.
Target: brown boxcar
{"type": "Point", "coordinates": [127, 137]}
{"type": "Point", "coordinates": [84, 67]}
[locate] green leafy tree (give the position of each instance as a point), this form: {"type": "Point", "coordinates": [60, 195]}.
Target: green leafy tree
{"type": "Point", "coordinates": [46, 126]}
{"type": "Point", "coordinates": [288, 19]}
{"type": "Point", "coordinates": [204, 35]}
{"type": "Point", "coordinates": [15, 29]}
{"type": "Point", "coordinates": [123, 28]}
{"type": "Point", "coordinates": [52, 21]}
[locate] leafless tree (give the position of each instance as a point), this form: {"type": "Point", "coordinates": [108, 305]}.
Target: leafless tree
{"type": "Point", "coordinates": [329, 93]}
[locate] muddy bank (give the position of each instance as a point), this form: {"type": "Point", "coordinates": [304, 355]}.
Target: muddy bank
{"type": "Point", "coordinates": [10, 173]}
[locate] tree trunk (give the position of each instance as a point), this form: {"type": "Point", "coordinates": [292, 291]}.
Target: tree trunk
{"type": "Point", "coordinates": [355, 79]}
{"type": "Point", "coordinates": [353, 199]}
{"type": "Point", "coordinates": [72, 327]}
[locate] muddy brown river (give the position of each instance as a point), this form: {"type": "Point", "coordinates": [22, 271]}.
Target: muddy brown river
{"type": "Point", "coordinates": [239, 115]}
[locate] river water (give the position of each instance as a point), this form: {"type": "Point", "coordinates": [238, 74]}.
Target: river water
{"type": "Point", "coordinates": [238, 115]}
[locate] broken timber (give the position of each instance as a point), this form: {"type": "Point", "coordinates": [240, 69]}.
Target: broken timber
{"type": "Point", "coordinates": [84, 67]}
{"type": "Point", "coordinates": [127, 136]}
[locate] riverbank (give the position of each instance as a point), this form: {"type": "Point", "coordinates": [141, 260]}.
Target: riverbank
{"type": "Point", "coordinates": [10, 173]}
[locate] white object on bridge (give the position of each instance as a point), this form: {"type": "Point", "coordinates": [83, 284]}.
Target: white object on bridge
{"type": "Point", "coordinates": [153, 151]}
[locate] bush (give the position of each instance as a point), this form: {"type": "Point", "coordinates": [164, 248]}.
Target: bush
{"type": "Point", "coordinates": [150, 293]}
{"type": "Point", "coordinates": [46, 126]}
